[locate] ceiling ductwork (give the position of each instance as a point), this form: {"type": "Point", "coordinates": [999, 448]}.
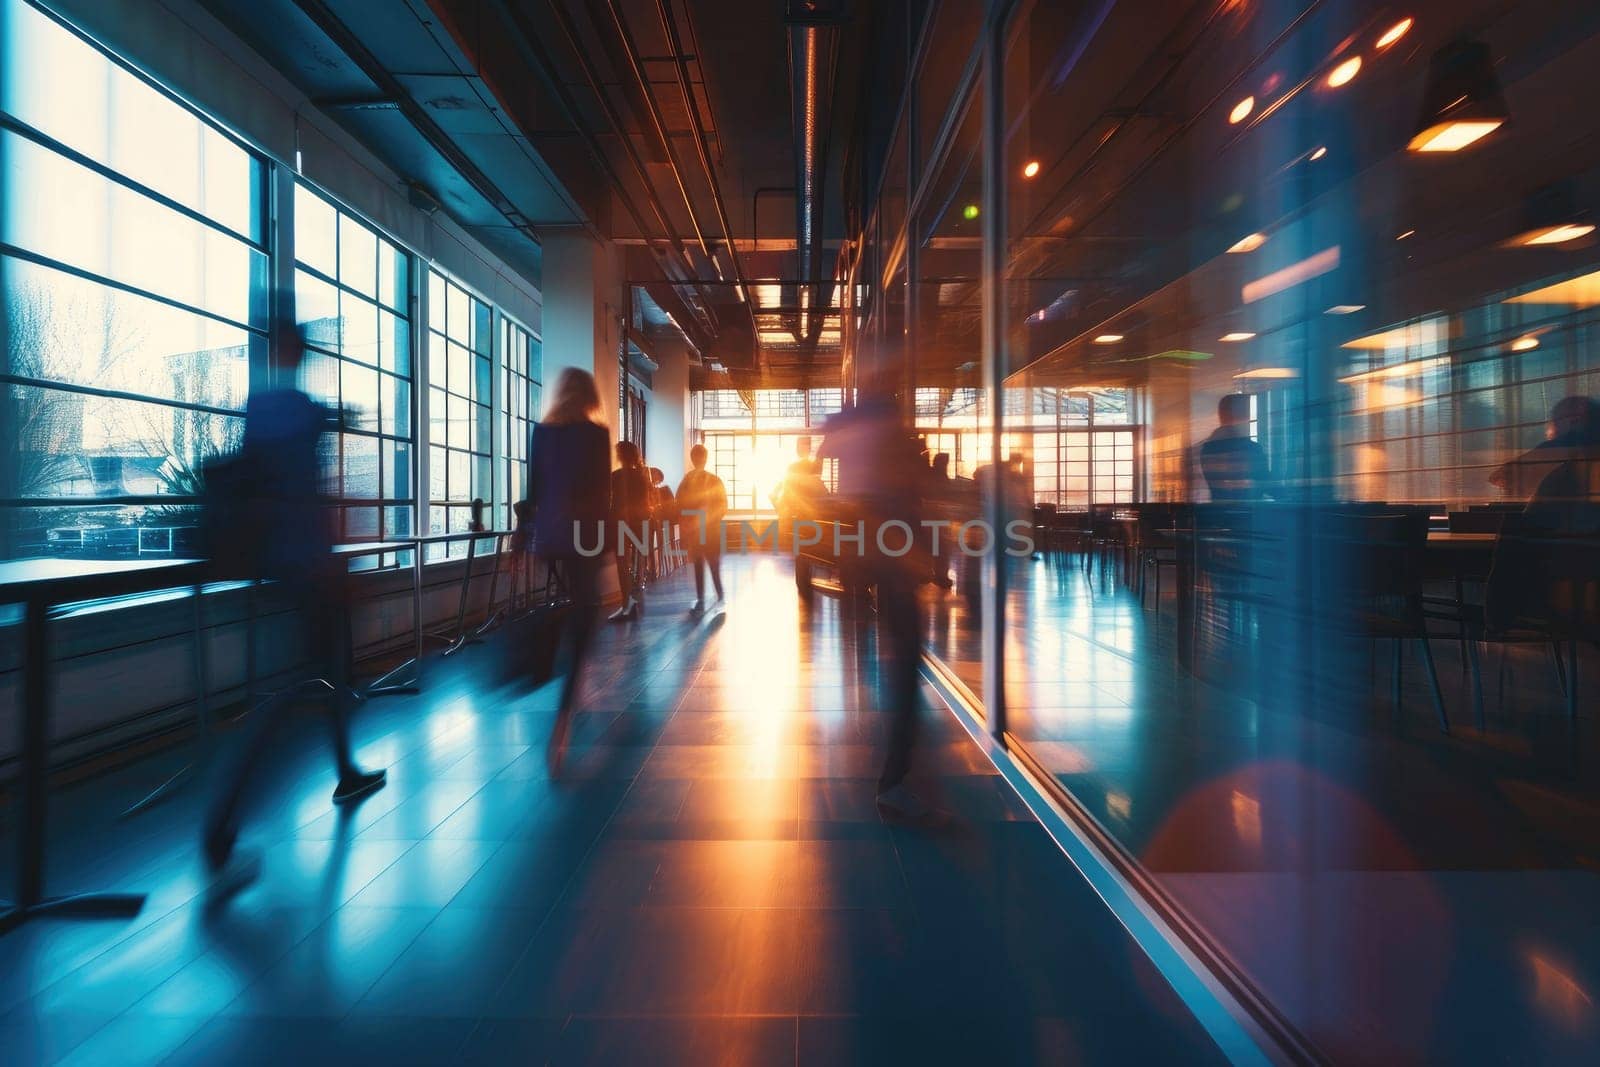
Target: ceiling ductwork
{"type": "Point", "coordinates": [813, 28]}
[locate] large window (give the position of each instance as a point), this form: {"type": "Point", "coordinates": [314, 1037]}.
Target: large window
{"type": "Point", "coordinates": [133, 261]}
{"type": "Point", "coordinates": [460, 355]}
{"type": "Point", "coordinates": [352, 291]}
{"type": "Point", "coordinates": [518, 407]}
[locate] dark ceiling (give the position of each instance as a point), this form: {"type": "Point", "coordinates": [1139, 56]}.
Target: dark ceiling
{"type": "Point", "coordinates": [673, 127]}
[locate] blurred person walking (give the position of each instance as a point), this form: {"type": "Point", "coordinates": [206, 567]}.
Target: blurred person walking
{"type": "Point", "coordinates": [568, 494]}
{"type": "Point", "coordinates": [630, 515]}
{"type": "Point", "coordinates": [266, 519]}
{"type": "Point", "coordinates": [702, 503]}
{"type": "Point", "coordinates": [881, 481]}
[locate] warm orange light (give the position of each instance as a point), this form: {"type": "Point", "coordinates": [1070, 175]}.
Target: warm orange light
{"type": "Point", "coordinates": [1108, 339]}
{"type": "Point", "coordinates": [1395, 32]}
{"type": "Point", "coordinates": [1319, 152]}
{"type": "Point", "coordinates": [1241, 110]}
{"type": "Point", "coordinates": [1452, 136]}
{"type": "Point", "coordinates": [1403, 236]}
{"type": "Point", "coordinates": [1030, 168]}
{"type": "Point", "coordinates": [1294, 274]}
{"type": "Point", "coordinates": [1524, 344]}
{"type": "Point", "coordinates": [1249, 243]}
{"type": "Point", "coordinates": [1580, 292]}
{"type": "Point", "coordinates": [1237, 335]}
{"type": "Point", "coordinates": [1408, 369]}
{"type": "Point", "coordinates": [1344, 73]}
{"type": "Point", "coordinates": [1268, 373]}
{"type": "Point", "coordinates": [1554, 235]}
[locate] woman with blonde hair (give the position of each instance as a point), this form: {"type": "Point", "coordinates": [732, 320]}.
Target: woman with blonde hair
{"type": "Point", "coordinates": [569, 472]}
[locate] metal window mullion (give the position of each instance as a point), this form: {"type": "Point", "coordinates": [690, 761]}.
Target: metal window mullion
{"type": "Point", "coordinates": [281, 318]}
{"type": "Point", "coordinates": [992, 44]}
{"type": "Point", "coordinates": [422, 392]}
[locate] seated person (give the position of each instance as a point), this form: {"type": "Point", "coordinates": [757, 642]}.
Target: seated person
{"type": "Point", "coordinates": [1573, 430]}
{"type": "Point", "coordinates": [1234, 465]}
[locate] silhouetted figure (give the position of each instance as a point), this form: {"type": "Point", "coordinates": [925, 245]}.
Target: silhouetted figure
{"type": "Point", "coordinates": [630, 514]}
{"type": "Point", "coordinates": [790, 493]}
{"type": "Point", "coordinates": [281, 531]}
{"type": "Point", "coordinates": [1234, 465]}
{"type": "Point", "coordinates": [1567, 499]}
{"type": "Point", "coordinates": [475, 523]}
{"type": "Point", "coordinates": [1573, 431]}
{"type": "Point", "coordinates": [663, 510]}
{"type": "Point", "coordinates": [702, 503]}
{"type": "Point", "coordinates": [568, 491]}
{"type": "Point", "coordinates": [941, 504]}
{"type": "Point", "coordinates": [881, 481]}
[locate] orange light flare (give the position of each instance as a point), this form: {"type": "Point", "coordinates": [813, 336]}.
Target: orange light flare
{"type": "Point", "coordinates": [1344, 73]}
{"type": "Point", "coordinates": [1395, 32]}
{"type": "Point", "coordinates": [1558, 994]}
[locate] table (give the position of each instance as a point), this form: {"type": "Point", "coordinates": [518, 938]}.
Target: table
{"type": "Point", "coordinates": [41, 584]}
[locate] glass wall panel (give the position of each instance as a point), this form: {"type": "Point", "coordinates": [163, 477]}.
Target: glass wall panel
{"type": "Point", "coordinates": [1299, 324]}
{"type": "Point", "coordinates": [518, 409]}
{"type": "Point", "coordinates": [357, 361]}
{"type": "Point", "coordinates": [461, 350]}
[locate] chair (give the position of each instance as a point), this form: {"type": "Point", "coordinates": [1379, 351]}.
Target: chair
{"type": "Point", "coordinates": [1544, 588]}
{"type": "Point", "coordinates": [1154, 545]}
{"type": "Point", "coordinates": [1371, 584]}
{"type": "Point", "coordinates": [1043, 522]}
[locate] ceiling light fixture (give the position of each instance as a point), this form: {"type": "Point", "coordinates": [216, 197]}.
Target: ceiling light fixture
{"type": "Point", "coordinates": [1461, 103]}
{"type": "Point", "coordinates": [1344, 73]}
{"type": "Point", "coordinates": [1403, 236]}
{"type": "Point", "coordinates": [1318, 152]}
{"type": "Point", "coordinates": [1580, 292]}
{"type": "Point", "coordinates": [1268, 373]}
{"type": "Point", "coordinates": [1524, 344]}
{"type": "Point", "coordinates": [1345, 309]}
{"type": "Point", "coordinates": [1241, 110]}
{"type": "Point", "coordinates": [1030, 168]}
{"type": "Point", "coordinates": [1555, 235]}
{"type": "Point", "coordinates": [1248, 243]}
{"type": "Point", "coordinates": [1107, 338]}
{"type": "Point", "coordinates": [1237, 335]}
{"type": "Point", "coordinates": [1395, 32]}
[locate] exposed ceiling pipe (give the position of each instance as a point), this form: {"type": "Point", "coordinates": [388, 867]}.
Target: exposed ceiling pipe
{"type": "Point", "coordinates": [703, 146]}
{"type": "Point", "coordinates": [813, 35]}
{"type": "Point", "coordinates": [528, 44]}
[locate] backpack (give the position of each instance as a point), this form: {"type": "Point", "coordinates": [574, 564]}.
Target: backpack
{"type": "Point", "coordinates": [232, 519]}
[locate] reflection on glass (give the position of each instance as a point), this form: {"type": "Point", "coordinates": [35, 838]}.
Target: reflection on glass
{"type": "Point", "coordinates": [1297, 324]}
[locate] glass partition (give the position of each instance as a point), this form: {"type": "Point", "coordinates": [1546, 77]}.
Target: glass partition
{"type": "Point", "coordinates": [1298, 319]}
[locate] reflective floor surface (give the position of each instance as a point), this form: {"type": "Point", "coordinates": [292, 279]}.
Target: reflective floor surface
{"type": "Point", "coordinates": [1400, 895]}
{"type": "Point", "coordinates": [709, 882]}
